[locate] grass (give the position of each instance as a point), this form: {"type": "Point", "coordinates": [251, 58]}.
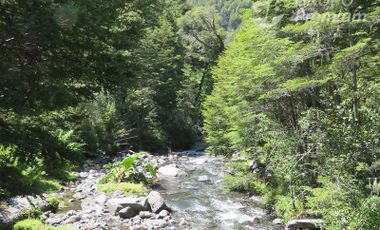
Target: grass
{"type": "Point", "coordinates": [45, 185]}
{"type": "Point", "coordinates": [35, 224]}
{"type": "Point", "coordinates": [127, 188]}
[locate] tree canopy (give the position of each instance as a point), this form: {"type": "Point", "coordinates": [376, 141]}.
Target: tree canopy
{"type": "Point", "coordinates": [297, 92]}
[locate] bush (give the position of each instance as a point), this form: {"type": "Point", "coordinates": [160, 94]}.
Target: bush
{"type": "Point", "coordinates": [35, 224]}
{"type": "Point", "coordinates": [18, 177]}
{"type": "Point", "coordinates": [242, 179]}
{"type": "Point", "coordinates": [244, 182]}
{"type": "Point", "coordinates": [368, 216]}
{"type": "Point", "coordinates": [334, 201]}
{"type": "Point", "coordinates": [288, 208]}
{"type": "Point", "coordinates": [127, 170]}
{"type": "Point", "coordinates": [54, 203]}
{"type": "Point", "coordinates": [31, 213]}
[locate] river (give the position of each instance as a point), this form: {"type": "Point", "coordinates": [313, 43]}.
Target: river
{"type": "Point", "coordinates": [199, 200]}
{"type": "Point", "coordinates": [207, 204]}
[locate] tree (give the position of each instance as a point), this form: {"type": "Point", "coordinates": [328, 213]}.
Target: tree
{"type": "Point", "coordinates": [295, 92]}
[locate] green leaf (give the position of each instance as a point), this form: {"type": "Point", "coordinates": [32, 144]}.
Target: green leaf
{"type": "Point", "coordinates": [128, 162]}
{"type": "Point", "coordinates": [151, 170]}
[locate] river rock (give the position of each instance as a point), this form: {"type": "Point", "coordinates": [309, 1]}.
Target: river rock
{"type": "Point", "coordinates": [137, 204]}
{"type": "Point", "coordinates": [256, 220]}
{"type": "Point", "coordinates": [56, 219]}
{"type": "Point", "coordinates": [72, 219]}
{"type": "Point", "coordinates": [257, 200]}
{"type": "Point", "coordinates": [127, 213]}
{"type": "Point", "coordinates": [203, 179]}
{"type": "Point", "coordinates": [171, 158]}
{"type": "Point", "coordinates": [101, 199]}
{"type": "Point", "coordinates": [164, 213]}
{"type": "Point", "coordinates": [146, 215]}
{"type": "Point", "coordinates": [156, 202]}
{"type": "Point", "coordinates": [79, 196]}
{"type": "Point", "coordinates": [199, 161]}
{"type": "Point", "coordinates": [83, 174]}
{"type": "Point", "coordinates": [278, 222]}
{"type": "Point", "coordinates": [156, 224]}
{"type": "Point", "coordinates": [170, 171]}
{"type": "Point", "coordinates": [311, 224]}
{"type": "Point", "coordinates": [136, 220]}
{"type": "Point", "coordinates": [183, 222]}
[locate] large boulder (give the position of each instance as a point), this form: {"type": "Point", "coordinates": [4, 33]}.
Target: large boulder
{"type": "Point", "coordinates": [156, 202]}
{"type": "Point", "coordinates": [10, 210]}
{"type": "Point", "coordinates": [170, 171]}
{"type": "Point", "coordinates": [311, 224]}
{"type": "Point", "coordinates": [137, 204]}
{"type": "Point", "coordinates": [127, 213]}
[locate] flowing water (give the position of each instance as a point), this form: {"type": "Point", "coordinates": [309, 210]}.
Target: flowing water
{"type": "Point", "coordinates": [207, 205]}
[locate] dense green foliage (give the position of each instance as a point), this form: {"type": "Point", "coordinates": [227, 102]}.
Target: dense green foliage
{"type": "Point", "coordinates": [229, 10]}
{"type": "Point", "coordinates": [300, 97]}
{"type": "Point", "coordinates": [127, 170]}
{"type": "Point", "coordinates": [54, 58]}
{"type": "Point", "coordinates": [95, 77]}
{"type": "Point", "coordinates": [289, 91]}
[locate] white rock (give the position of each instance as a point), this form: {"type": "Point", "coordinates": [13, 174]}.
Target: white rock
{"type": "Point", "coordinates": [83, 174]}
{"type": "Point", "coordinates": [183, 222]}
{"type": "Point", "coordinates": [72, 219]}
{"type": "Point", "coordinates": [163, 214]}
{"type": "Point", "coordinates": [170, 171]}
{"type": "Point", "coordinates": [146, 215]}
{"type": "Point", "coordinates": [277, 221]}
{"type": "Point", "coordinates": [101, 199]}
{"type": "Point", "coordinates": [257, 200]}
{"type": "Point", "coordinates": [203, 179]}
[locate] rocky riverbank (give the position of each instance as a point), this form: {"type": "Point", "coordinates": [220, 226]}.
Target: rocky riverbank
{"type": "Point", "coordinates": [189, 195]}
{"type": "Point", "coordinates": [87, 208]}
{"type": "Point", "coordinates": [96, 210]}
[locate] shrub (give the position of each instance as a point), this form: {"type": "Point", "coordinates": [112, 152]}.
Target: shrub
{"type": "Point", "coordinates": [54, 202]}
{"type": "Point", "coordinates": [368, 216]}
{"type": "Point", "coordinates": [19, 177]}
{"type": "Point", "coordinates": [334, 201]}
{"type": "Point", "coordinates": [288, 208]}
{"type": "Point", "coordinates": [127, 170]}
{"type": "Point", "coordinates": [242, 179]}
{"type": "Point", "coordinates": [30, 213]}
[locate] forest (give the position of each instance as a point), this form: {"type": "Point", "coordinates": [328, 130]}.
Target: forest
{"type": "Point", "coordinates": [288, 91]}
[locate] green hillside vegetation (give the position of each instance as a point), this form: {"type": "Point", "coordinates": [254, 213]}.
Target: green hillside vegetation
{"type": "Point", "coordinates": [300, 99]}
{"type": "Point", "coordinates": [288, 91]}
